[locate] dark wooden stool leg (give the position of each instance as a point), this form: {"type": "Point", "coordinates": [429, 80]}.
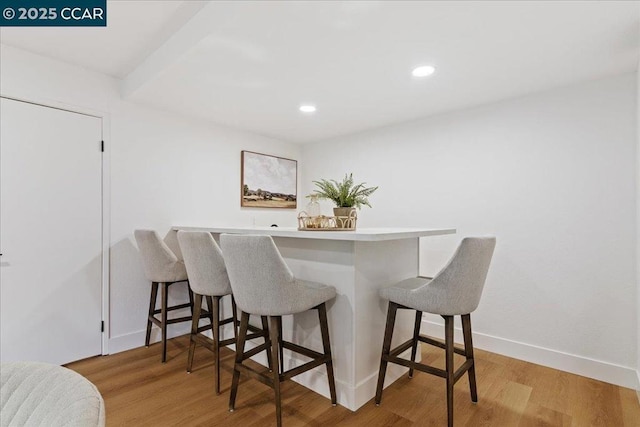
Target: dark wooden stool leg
{"type": "Point", "coordinates": [152, 308]}
{"type": "Point", "coordinates": [244, 325]}
{"type": "Point", "coordinates": [267, 340]}
{"type": "Point", "coordinates": [468, 349]}
{"type": "Point", "coordinates": [326, 344]}
{"type": "Point", "coordinates": [190, 292]}
{"type": "Point", "coordinates": [165, 288]}
{"type": "Point", "coordinates": [386, 346]}
{"type": "Point", "coordinates": [280, 347]}
{"type": "Point", "coordinates": [194, 330]}
{"type": "Point", "coordinates": [216, 340]}
{"type": "Point", "coordinates": [448, 338]}
{"type": "Point", "coordinates": [416, 334]}
{"type": "Point", "coordinates": [273, 332]}
{"type": "Point", "coordinates": [210, 308]}
{"type": "Point", "coordinates": [234, 309]}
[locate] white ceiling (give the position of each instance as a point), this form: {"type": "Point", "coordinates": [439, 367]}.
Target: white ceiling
{"type": "Point", "coordinates": [250, 64]}
{"type": "Point", "coordinates": [135, 28]}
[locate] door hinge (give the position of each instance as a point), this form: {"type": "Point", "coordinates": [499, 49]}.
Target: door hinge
{"type": "Point", "coordinates": [102, 146]}
{"type": "Point", "coordinates": [102, 326]}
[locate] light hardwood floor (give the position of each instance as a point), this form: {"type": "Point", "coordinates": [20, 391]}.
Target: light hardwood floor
{"type": "Point", "coordinates": [138, 390]}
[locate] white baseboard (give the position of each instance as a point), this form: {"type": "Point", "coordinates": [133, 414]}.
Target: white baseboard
{"type": "Point", "coordinates": [603, 371]}
{"type": "Point", "coordinates": [136, 339]}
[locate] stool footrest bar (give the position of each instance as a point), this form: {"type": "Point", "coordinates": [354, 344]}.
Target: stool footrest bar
{"type": "Point", "coordinates": [437, 343]}
{"type": "Point", "coordinates": [301, 350]}
{"type": "Point", "coordinates": [402, 347]}
{"type": "Point", "coordinates": [254, 351]}
{"type": "Point", "coordinates": [254, 374]}
{"type": "Point", "coordinates": [303, 368]}
{"type": "Point", "coordinates": [462, 370]}
{"type": "Point", "coordinates": [415, 365]}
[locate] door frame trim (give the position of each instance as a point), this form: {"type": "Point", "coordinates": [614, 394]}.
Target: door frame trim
{"type": "Point", "coordinates": [106, 200]}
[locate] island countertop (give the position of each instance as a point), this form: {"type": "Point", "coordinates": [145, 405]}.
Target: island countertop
{"type": "Point", "coordinates": [361, 234]}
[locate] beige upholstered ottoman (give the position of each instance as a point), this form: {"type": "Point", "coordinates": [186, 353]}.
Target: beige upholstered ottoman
{"type": "Point", "coordinates": [40, 394]}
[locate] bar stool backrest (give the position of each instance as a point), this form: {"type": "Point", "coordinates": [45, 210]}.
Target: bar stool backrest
{"type": "Point", "coordinates": [159, 262]}
{"type": "Point", "coordinates": [457, 288]}
{"type": "Point", "coordinates": [260, 278]}
{"type": "Point", "coordinates": [171, 240]}
{"type": "Point", "coordinates": [204, 262]}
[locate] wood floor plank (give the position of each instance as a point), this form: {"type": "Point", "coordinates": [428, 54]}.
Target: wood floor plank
{"type": "Point", "coordinates": [539, 416]}
{"type": "Point", "coordinates": [630, 407]}
{"type": "Point", "coordinates": [595, 403]}
{"type": "Point", "coordinates": [140, 391]}
{"type": "Point", "coordinates": [550, 388]}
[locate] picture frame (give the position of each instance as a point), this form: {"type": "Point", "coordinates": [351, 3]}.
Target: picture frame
{"type": "Point", "coordinates": [268, 181]}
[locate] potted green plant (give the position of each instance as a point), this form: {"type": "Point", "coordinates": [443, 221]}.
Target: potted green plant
{"type": "Point", "coordinates": [346, 195]}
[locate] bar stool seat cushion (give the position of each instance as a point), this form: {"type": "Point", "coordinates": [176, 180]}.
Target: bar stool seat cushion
{"type": "Point", "coordinates": [40, 394]}
{"type": "Point", "coordinates": [411, 293]}
{"type": "Point", "coordinates": [310, 294]}
{"type": "Point", "coordinates": [405, 292]}
{"type": "Point", "coordinates": [296, 296]}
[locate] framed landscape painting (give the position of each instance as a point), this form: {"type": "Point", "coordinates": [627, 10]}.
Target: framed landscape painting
{"type": "Point", "coordinates": [268, 181]}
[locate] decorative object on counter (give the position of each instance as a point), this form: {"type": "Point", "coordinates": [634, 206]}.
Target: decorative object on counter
{"type": "Point", "coordinates": [312, 214]}
{"type": "Point", "coordinates": [313, 208]}
{"type": "Point", "coordinates": [307, 222]}
{"type": "Point", "coordinates": [347, 196]}
{"type": "Point", "coordinates": [268, 181]}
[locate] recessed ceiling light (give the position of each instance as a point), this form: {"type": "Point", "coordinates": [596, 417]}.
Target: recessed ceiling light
{"type": "Point", "coordinates": [423, 71]}
{"type": "Point", "coordinates": [308, 108]}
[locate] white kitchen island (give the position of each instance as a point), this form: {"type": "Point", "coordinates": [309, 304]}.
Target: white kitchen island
{"type": "Point", "coordinates": [357, 264]}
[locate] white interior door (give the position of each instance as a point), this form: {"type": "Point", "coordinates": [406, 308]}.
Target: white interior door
{"type": "Point", "coordinates": [50, 234]}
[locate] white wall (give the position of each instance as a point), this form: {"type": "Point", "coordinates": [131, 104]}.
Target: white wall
{"type": "Point", "coordinates": [552, 176]}
{"type": "Point", "coordinates": [164, 171]}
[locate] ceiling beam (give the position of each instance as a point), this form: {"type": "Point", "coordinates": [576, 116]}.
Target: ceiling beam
{"type": "Point", "coordinates": [199, 18]}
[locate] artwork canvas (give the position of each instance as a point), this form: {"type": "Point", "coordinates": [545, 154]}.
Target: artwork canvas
{"type": "Point", "coordinates": [268, 181]}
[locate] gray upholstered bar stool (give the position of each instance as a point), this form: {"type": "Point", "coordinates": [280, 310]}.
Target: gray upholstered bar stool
{"type": "Point", "coordinates": [263, 284]}
{"type": "Point", "coordinates": [208, 278]}
{"type": "Point", "coordinates": [162, 267]}
{"type": "Point", "coordinates": [454, 291]}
